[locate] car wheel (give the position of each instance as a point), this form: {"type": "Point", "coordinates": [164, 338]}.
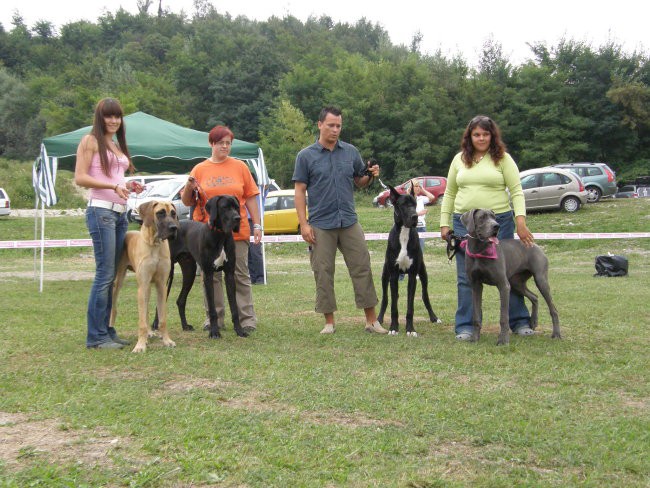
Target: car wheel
{"type": "Point", "coordinates": [129, 217]}
{"type": "Point", "coordinates": [593, 194]}
{"type": "Point", "coordinates": [571, 204]}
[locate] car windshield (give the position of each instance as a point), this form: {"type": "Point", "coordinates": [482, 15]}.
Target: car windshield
{"type": "Point", "coordinates": [163, 189]}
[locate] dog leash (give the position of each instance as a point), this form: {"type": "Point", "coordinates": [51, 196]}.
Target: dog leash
{"type": "Point", "coordinates": [453, 244]}
{"type": "Point", "coordinates": [200, 199]}
{"type": "Point", "coordinates": [372, 162]}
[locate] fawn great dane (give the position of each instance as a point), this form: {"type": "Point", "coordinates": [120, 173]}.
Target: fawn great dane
{"type": "Point", "coordinates": [147, 253]}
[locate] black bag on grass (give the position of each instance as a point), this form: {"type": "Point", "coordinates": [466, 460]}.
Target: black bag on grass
{"type": "Point", "coordinates": [611, 265]}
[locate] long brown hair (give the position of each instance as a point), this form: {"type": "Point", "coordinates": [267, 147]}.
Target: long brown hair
{"type": "Point", "coordinates": [497, 147]}
{"type": "Point", "coordinates": [105, 108]}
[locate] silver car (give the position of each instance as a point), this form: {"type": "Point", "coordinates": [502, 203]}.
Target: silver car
{"type": "Point", "coordinates": [552, 188]}
{"type": "Point", "coordinates": [5, 203]}
{"type": "Point", "coordinates": [167, 190]}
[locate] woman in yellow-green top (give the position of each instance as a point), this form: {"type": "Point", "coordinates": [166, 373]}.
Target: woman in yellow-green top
{"type": "Point", "coordinates": [478, 177]}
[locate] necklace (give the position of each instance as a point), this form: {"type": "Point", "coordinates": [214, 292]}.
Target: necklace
{"type": "Point", "coordinates": [478, 160]}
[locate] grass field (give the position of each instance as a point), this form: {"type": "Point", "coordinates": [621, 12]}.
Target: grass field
{"type": "Point", "coordinates": [289, 407]}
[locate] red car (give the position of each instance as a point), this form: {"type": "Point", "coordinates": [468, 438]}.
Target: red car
{"type": "Point", "coordinates": [436, 185]}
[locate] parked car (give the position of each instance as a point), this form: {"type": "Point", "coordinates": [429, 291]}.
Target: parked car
{"type": "Point", "coordinates": [280, 216]}
{"type": "Point", "coordinates": [148, 179]}
{"type": "Point", "coordinates": [552, 188]}
{"type": "Point", "coordinates": [5, 203]}
{"type": "Point", "coordinates": [599, 179]}
{"type": "Point", "coordinates": [166, 190]}
{"type": "Point", "coordinates": [626, 191]}
{"type": "Point", "coordinates": [273, 185]}
{"type": "Point", "coordinates": [434, 184]}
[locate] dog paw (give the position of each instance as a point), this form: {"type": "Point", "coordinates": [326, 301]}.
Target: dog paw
{"type": "Point", "coordinates": [393, 332]}
{"type": "Point", "coordinates": [437, 321]}
{"type": "Point", "coordinates": [188, 327]}
{"type": "Point", "coordinates": [153, 333]}
{"type": "Point", "coordinates": [216, 335]}
{"type": "Point", "coordinates": [140, 348]}
{"type": "Point", "coordinates": [411, 334]}
{"type": "Point", "coordinates": [169, 343]}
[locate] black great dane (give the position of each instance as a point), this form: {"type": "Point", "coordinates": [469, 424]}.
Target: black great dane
{"type": "Point", "coordinates": [180, 253]}
{"type": "Point", "coordinates": [404, 255]}
{"type": "Point", "coordinates": [212, 247]}
{"type": "Point", "coordinates": [505, 264]}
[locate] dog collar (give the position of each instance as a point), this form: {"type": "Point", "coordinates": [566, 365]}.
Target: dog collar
{"type": "Point", "coordinates": [490, 252]}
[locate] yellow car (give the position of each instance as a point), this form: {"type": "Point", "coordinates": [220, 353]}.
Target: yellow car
{"type": "Point", "coordinates": [280, 216]}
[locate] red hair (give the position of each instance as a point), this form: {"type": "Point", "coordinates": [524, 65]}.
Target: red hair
{"type": "Point", "coordinates": [218, 133]}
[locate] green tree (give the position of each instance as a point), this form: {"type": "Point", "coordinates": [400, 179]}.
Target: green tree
{"type": "Point", "coordinates": [21, 128]}
{"type": "Point", "coordinates": [284, 132]}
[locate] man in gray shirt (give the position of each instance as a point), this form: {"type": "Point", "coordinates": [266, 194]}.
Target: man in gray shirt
{"type": "Point", "coordinates": [328, 169]}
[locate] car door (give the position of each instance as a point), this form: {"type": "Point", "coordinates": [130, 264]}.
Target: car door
{"type": "Point", "coordinates": [552, 188]}
{"type": "Point", "coordinates": [530, 186]}
{"type": "Point", "coordinates": [287, 215]}
{"type": "Point", "coordinates": [270, 214]}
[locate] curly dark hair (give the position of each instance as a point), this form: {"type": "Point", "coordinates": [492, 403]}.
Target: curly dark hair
{"type": "Point", "coordinates": [497, 147]}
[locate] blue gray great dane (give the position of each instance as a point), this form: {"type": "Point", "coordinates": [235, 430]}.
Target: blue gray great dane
{"type": "Point", "coordinates": [505, 264]}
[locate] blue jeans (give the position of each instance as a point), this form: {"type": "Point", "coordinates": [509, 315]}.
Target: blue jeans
{"type": "Point", "coordinates": [519, 315]}
{"type": "Point", "coordinates": [107, 230]}
{"type": "Point", "coordinates": [421, 230]}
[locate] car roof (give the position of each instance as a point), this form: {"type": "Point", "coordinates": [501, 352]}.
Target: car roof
{"type": "Point", "coordinates": [579, 164]}
{"type": "Point", "coordinates": [546, 169]}
{"type": "Point", "coordinates": [280, 193]}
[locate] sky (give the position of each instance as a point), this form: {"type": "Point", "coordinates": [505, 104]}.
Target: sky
{"type": "Point", "coordinates": [452, 27]}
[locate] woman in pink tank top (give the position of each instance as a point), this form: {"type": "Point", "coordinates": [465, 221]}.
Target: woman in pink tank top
{"type": "Point", "coordinates": [101, 163]}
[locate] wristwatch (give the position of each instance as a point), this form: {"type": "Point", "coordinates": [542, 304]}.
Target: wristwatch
{"type": "Point", "coordinates": [258, 227]}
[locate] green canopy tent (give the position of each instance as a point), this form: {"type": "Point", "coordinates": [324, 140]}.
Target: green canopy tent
{"type": "Point", "coordinates": [155, 145]}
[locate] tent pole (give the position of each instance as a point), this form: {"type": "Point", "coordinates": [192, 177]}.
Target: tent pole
{"type": "Point", "coordinates": [35, 232]}
{"type": "Point", "coordinates": [42, 242]}
{"type": "Point", "coordinates": [260, 202]}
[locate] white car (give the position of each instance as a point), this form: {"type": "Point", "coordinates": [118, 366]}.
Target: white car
{"type": "Point", "coordinates": [5, 203]}
{"type": "Point", "coordinates": [168, 190]}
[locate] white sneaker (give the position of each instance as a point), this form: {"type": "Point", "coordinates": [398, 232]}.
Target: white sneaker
{"type": "Point", "coordinates": [464, 336]}
{"type": "Point", "coordinates": [376, 328]}
{"type": "Point", "coordinates": [328, 329]}
{"type": "Point", "coordinates": [524, 331]}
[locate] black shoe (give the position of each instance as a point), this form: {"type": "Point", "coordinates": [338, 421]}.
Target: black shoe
{"type": "Point", "coordinates": [248, 329]}
{"type": "Point", "coordinates": [106, 345]}
{"type": "Point", "coordinates": [124, 342]}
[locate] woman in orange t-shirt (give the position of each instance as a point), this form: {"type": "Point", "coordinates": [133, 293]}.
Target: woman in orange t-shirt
{"type": "Point", "coordinates": [221, 174]}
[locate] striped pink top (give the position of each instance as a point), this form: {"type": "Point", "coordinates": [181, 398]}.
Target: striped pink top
{"type": "Point", "coordinates": [117, 168]}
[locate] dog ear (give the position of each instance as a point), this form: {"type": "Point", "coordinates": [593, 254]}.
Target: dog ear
{"type": "Point", "coordinates": [394, 195]}
{"type": "Point", "coordinates": [235, 202]}
{"type": "Point", "coordinates": [175, 210]}
{"type": "Point", "coordinates": [146, 212]}
{"type": "Point", "coordinates": [212, 208]}
{"type": "Point", "coordinates": [468, 220]}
